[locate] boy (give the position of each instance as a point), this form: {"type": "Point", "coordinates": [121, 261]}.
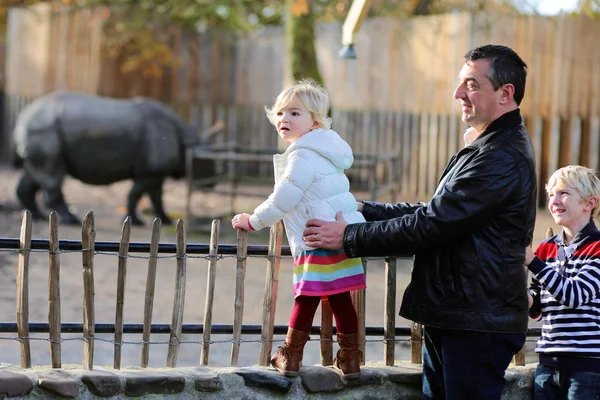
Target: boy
{"type": "Point", "coordinates": [565, 288]}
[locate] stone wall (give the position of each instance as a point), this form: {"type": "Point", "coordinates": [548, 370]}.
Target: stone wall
{"type": "Point", "coordinates": [379, 382]}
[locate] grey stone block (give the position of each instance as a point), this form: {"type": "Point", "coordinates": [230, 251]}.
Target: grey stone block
{"type": "Point", "coordinates": [368, 376]}
{"type": "Point", "coordinates": [321, 379]}
{"type": "Point", "coordinates": [153, 382]}
{"type": "Point", "coordinates": [205, 380]}
{"type": "Point", "coordinates": [265, 379]}
{"type": "Point", "coordinates": [13, 384]}
{"type": "Point", "coordinates": [102, 383]}
{"type": "Point", "coordinates": [58, 382]}
{"type": "Point", "coordinates": [404, 374]}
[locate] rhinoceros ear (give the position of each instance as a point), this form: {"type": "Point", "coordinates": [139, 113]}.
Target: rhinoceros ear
{"type": "Point", "coordinates": [208, 134]}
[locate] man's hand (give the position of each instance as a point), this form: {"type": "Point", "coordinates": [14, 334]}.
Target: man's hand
{"type": "Point", "coordinates": [325, 235]}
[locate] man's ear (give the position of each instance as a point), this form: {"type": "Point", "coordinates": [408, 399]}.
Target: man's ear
{"type": "Point", "coordinates": [507, 92]}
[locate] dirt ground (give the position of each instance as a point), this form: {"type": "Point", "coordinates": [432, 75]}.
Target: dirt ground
{"type": "Point", "coordinates": [107, 203]}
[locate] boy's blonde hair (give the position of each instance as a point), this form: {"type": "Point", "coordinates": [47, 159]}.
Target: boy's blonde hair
{"type": "Point", "coordinates": [308, 95]}
{"type": "Point", "coordinates": [582, 179]}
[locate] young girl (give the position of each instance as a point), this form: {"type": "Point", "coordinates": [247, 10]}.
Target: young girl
{"type": "Point", "coordinates": [565, 290]}
{"type": "Point", "coordinates": [310, 183]}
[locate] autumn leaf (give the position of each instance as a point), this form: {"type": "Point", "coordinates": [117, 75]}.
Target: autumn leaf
{"type": "Point", "coordinates": [299, 7]}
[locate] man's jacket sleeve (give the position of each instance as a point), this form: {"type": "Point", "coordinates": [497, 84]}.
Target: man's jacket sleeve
{"type": "Point", "coordinates": [467, 201]}
{"type": "Point", "coordinates": [380, 211]}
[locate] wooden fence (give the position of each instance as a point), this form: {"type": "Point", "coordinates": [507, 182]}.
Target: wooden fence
{"type": "Point", "coordinates": [396, 97]}
{"type": "Point", "coordinates": [273, 253]}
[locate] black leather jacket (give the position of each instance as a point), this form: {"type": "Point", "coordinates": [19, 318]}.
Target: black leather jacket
{"type": "Point", "coordinates": [469, 241]}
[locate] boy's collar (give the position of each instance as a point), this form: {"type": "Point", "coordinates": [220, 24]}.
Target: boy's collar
{"type": "Point", "coordinates": [579, 236]}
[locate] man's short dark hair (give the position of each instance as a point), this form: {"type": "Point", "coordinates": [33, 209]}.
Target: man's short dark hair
{"type": "Point", "coordinates": [505, 67]}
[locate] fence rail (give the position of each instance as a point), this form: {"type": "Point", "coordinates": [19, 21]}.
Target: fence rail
{"type": "Point", "coordinates": [180, 252]}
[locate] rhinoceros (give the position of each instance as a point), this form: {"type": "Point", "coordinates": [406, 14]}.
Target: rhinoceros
{"type": "Point", "coordinates": [99, 141]}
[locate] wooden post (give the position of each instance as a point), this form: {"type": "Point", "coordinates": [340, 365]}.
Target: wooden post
{"type": "Point", "coordinates": [416, 343]}
{"type": "Point", "coordinates": [359, 301]}
{"type": "Point", "coordinates": [210, 289]}
{"type": "Point", "coordinates": [150, 286]}
{"type": "Point", "coordinates": [23, 290]}
{"type": "Point", "coordinates": [240, 276]}
{"type": "Point", "coordinates": [88, 237]}
{"type": "Point", "coordinates": [179, 300]}
{"type": "Point", "coordinates": [270, 298]}
{"type": "Point", "coordinates": [326, 333]}
{"type": "Point", "coordinates": [389, 313]}
{"type": "Point", "coordinates": [121, 279]}
{"type": "Point", "coordinates": [54, 291]}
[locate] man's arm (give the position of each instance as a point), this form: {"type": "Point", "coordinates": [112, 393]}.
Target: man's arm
{"type": "Point", "coordinates": [374, 211]}
{"type": "Point", "coordinates": [467, 200]}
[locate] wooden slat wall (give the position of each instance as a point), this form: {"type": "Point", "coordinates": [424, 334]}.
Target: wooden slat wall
{"type": "Point", "coordinates": [397, 93]}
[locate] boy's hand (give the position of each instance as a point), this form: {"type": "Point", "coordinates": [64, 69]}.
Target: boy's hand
{"type": "Point", "coordinates": [241, 221]}
{"type": "Point", "coordinates": [528, 255]}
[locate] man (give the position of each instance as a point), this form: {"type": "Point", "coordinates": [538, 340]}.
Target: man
{"type": "Point", "coordinates": [468, 285]}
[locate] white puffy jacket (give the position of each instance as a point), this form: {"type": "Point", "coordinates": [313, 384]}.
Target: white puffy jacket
{"type": "Point", "coordinates": [309, 183]}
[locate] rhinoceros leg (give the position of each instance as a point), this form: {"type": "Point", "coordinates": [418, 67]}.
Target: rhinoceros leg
{"type": "Point", "coordinates": [55, 201]}
{"type": "Point", "coordinates": [135, 194]}
{"type": "Point", "coordinates": [26, 191]}
{"type": "Point", "coordinates": [156, 199]}
{"type": "Point", "coordinates": [152, 186]}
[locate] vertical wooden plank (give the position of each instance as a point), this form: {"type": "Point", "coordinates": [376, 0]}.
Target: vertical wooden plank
{"type": "Point", "coordinates": [179, 298]}
{"type": "Point", "coordinates": [23, 290]}
{"type": "Point", "coordinates": [389, 312]}
{"type": "Point", "coordinates": [406, 151]}
{"type": "Point", "coordinates": [359, 302]}
{"type": "Point", "coordinates": [213, 253]}
{"type": "Point", "coordinates": [240, 276]}
{"type": "Point", "coordinates": [88, 237]}
{"type": "Point", "coordinates": [270, 297]}
{"type": "Point", "coordinates": [54, 291]}
{"type": "Point", "coordinates": [149, 295]}
{"type": "Point", "coordinates": [414, 154]}
{"type": "Point", "coordinates": [326, 345]}
{"type": "Point", "coordinates": [575, 143]}
{"type": "Point", "coordinates": [416, 343]}
{"type": "Point", "coordinates": [432, 167]}
{"type": "Point", "coordinates": [594, 142]}
{"type": "Point", "coordinates": [554, 154]}
{"type": "Point", "coordinates": [121, 279]}
{"type": "Point", "coordinates": [442, 155]}
{"type": "Point", "coordinates": [537, 127]}
{"type": "Point", "coordinates": [423, 150]}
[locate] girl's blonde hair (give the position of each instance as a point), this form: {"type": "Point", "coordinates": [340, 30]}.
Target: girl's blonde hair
{"type": "Point", "coordinates": [581, 179]}
{"type": "Point", "coordinates": [307, 95]}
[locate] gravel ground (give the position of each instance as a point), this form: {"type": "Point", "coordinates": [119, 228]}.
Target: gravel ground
{"type": "Point", "coordinates": [107, 203]}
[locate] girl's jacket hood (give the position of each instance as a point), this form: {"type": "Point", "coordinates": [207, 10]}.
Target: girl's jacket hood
{"type": "Point", "coordinates": [327, 143]}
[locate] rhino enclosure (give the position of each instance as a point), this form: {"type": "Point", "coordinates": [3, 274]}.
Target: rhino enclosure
{"type": "Point", "coordinates": [396, 98]}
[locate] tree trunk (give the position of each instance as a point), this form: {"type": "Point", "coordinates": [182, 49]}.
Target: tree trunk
{"type": "Point", "coordinates": [300, 42]}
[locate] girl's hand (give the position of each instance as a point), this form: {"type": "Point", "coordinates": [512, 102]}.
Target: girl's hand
{"type": "Point", "coordinates": [241, 221]}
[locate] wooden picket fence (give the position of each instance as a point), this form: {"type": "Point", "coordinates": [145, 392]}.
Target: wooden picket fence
{"type": "Point", "coordinates": [273, 254]}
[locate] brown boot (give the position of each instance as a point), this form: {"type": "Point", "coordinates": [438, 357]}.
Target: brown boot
{"type": "Point", "coordinates": [288, 357]}
{"type": "Point", "coordinates": [348, 357]}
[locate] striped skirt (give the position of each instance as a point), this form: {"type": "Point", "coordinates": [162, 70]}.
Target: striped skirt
{"type": "Point", "coordinates": [321, 272]}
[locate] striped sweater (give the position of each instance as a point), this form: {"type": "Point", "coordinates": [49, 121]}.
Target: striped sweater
{"type": "Point", "coordinates": [566, 284]}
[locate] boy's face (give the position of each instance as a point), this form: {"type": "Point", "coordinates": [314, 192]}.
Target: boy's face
{"type": "Point", "coordinates": [293, 122]}
{"type": "Point", "coordinates": [568, 208]}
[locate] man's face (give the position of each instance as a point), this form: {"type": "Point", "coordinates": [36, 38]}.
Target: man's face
{"type": "Point", "coordinates": [480, 102]}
